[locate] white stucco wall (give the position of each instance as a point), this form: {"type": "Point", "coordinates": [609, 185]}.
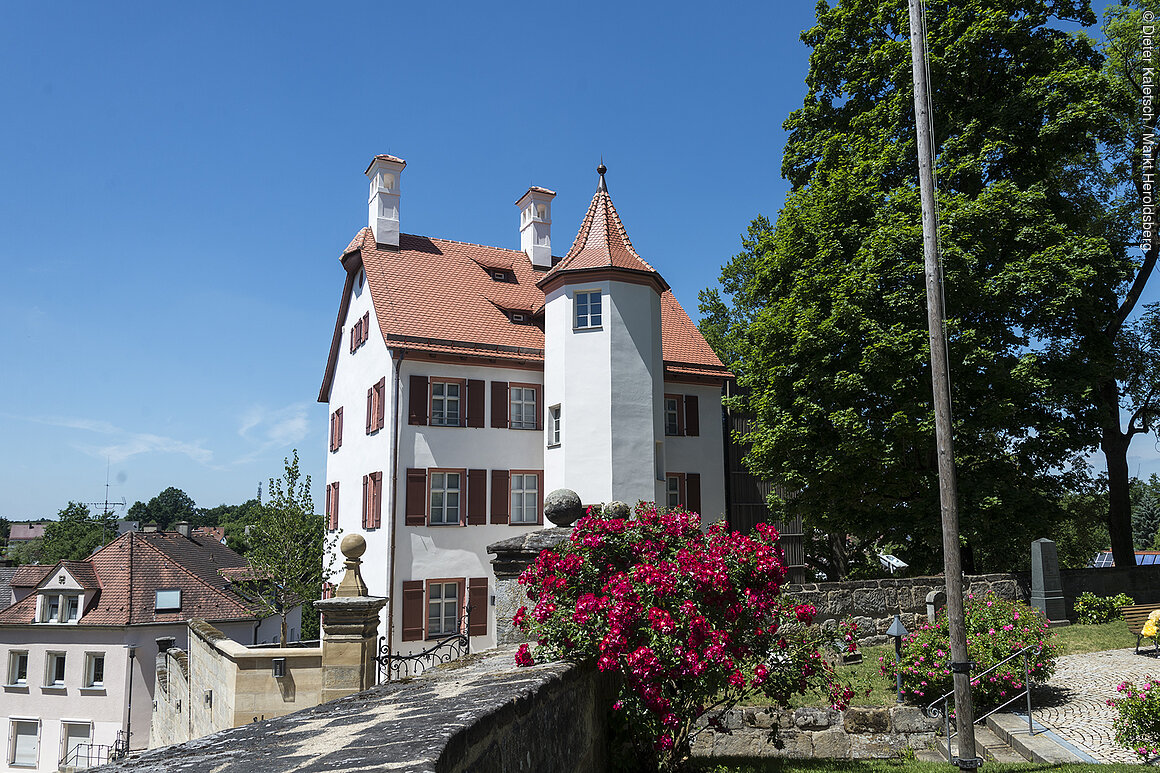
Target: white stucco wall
{"type": "Point", "coordinates": [703, 453]}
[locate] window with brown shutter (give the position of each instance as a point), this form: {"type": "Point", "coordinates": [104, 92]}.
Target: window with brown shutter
{"type": "Point", "coordinates": [354, 337]}
{"type": "Point", "coordinates": [524, 408]}
{"type": "Point", "coordinates": [336, 430]}
{"type": "Point", "coordinates": [380, 404]}
{"type": "Point", "coordinates": [414, 609]}
{"type": "Point", "coordinates": [366, 327]}
{"type": "Point", "coordinates": [416, 505]}
{"type": "Point", "coordinates": [375, 516]}
{"type": "Point", "coordinates": [477, 600]}
{"type": "Point", "coordinates": [417, 400]}
{"type": "Point", "coordinates": [475, 402]}
{"type": "Point", "coordinates": [674, 415]}
{"type": "Point", "coordinates": [499, 496]}
{"type": "Point", "coordinates": [692, 416]}
{"type": "Point", "coordinates": [693, 492]}
{"type": "Point", "coordinates": [332, 506]}
{"type": "Point", "coordinates": [370, 409]}
{"type": "Point", "coordinates": [499, 404]}
{"type": "Point", "coordinates": [448, 401]}
{"type": "Point", "coordinates": [365, 500]}
{"type": "Point", "coordinates": [476, 497]}
{"type": "Point", "coordinates": [338, 436]}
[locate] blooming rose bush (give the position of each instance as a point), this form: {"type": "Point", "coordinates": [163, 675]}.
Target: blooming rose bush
{"type": "Point", "coordinates": [688, 620]}
{"type": "Point", "coordinates": [1137, 722]}
{"type": "Point", "coordinates": [995, 628]}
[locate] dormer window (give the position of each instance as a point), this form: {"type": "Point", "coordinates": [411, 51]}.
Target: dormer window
{"type": "Point", "coordinates": [519, 318]}
{"type": "Point", "coordinates": [60, 608]}
{"type": "Point", "coordinates": [500, 276]}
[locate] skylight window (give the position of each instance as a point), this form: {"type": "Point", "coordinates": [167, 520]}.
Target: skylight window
{"type": "Point", "coordinates": [168, 600]}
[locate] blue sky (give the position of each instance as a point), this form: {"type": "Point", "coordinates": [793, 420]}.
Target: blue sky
{"type": "Point", "coordinates": [178, 182]}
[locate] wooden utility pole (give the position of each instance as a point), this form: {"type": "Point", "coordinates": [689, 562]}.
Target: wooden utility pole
{"type": "Point", "coordinates": [940, 378]}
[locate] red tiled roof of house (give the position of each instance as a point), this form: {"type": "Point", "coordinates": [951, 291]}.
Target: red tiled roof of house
{"type": "Point", "coordinates": [30, 575]}
{"type": "Point", "coordinates": [215, 533]}
{"type": "Point", "coordinates": [602, 242]}
{"type": "Point", "coordinates": [82, 572]}
{"type": "Point", "coordinates": [20, 532]}
{"type": "Point", "coordinates": [133, 567]}
{"type": "Point", "coordinates": [442, 297]}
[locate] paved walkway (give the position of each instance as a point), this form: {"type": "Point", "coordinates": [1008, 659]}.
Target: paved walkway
{"type": "Point", "coordinates": [1073, 704]}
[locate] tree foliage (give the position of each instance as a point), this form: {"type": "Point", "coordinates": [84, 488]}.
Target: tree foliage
{"type": "Point", "coordinates": [168, 508]}
{"type": "Point", "coordinates": [76, 534]}
{"type": "Point", "coordinates": [826, 315]}
{"type": "Point", "coordinates": [288, 551]}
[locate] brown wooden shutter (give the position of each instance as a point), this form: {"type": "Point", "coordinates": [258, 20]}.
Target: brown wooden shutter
{"type": "Point", "coordinates": [476, 497]}
{"type": "Point", "coordinates": [499, 495]}
{"type": "Point", "coordinates": [539, 407]}
{"type": "Point", "coordinates": [499, 405]}
{"type": "Point", "coordinates": [540, 497]}
{"type": "Point", "coordinates": [370, 409]}
{"type": "Point", "coordinates": [366, 499]}
{"type": "Point", "coordinates": [377, 511]}
{"type": "Point", "coordinates": [692, 416]}
{"type": "Point", "coordinates": [381, 403]}
{"type": "Point", "coordinates": [366, 327]}
{"type": "Point", "coordinates": [353, 338]}
{"type": "Point", "coordinates": [338, 432]}
{"type": "Point", "coordinates": [417, 413]}
{"type": "Point", "coordinates": [416, 497]}
{"type": "Point", "coordinates": [693, 492]}
{"type": "Point", "coordinates": [475, 402]}
{"type": "Point", "coordinates": [333, 422]}
{"type": "Point", "coordinates": [414, 603]}
{"type": "Point", "coordinates": [334, 506]}
{"type": "Point", "coordinates": [477, 599]}
{"type": "Point", "coordinates": [329, 517]}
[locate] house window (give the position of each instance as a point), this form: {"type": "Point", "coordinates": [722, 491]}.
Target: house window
{"type": "Point", "coordinates": [94, 669]}
{"type": "Point", "coordinates": [72, 605]}
{"type": "Point", "coordinates": [445, 490]}
{"type": "Point", "coordinates": [24, 750]}
{"type": "Point", "coordinates": [522, 401]}
{"type": "Point", "coordinates": [525, 498]}
{"type": "Point", "coordinates": [168, 600]}
{"type": "Point", "coordinates": [54, 669]}
{"type": "Point", "coordinates": [442, 608]}
{"type": "Point", "coordinates": [554, 425]}
{"type": "Point", "coordinates": [52, 609]}
{"type": "Point", "coordinates": [376, 406]}
{"type": "Point", "coordinates": [77, 737]}
{"type": "Point", "coordinates": [372, 512]}
{"type": "Point", "coordinates": [60, 608]}
{"type": "Point", "coordinates": [519, 318]}
{"type": "Point", "coordinates": [360, 333]}
{"type": "Point", "coordinates": [445, 403]}
{"type": "Point", "coordinates": [336, 430]}
{"type": "Point", "coordinates": [332, 506]}
{"type": "Point", "coordinates": [588, 312]}
{"type": "Point", "coordinates": [672, 415]}
{"type": "Point", "coordinates": [17, 667]}
{"type": "Point", "coordinates": [674, 497]}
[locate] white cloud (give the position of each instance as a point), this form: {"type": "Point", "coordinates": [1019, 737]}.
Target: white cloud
{"type": "Point", "coordinates": [123, 443]}
{"type": "Point", "coordinates": [271, 428]}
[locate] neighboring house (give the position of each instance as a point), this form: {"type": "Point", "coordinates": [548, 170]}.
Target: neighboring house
{"type": "Point", "coordinates": [79, 645]}
{"type": "Point", "coordinates": [464, 382]}
{"type": "Point", "coordinates": [6, 595]}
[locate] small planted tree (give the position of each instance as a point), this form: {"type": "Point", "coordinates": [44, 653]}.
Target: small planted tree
{"type": "Point", "coordinates": [687, 620]}
{"type": "Point", "coordinates": [289, 555]}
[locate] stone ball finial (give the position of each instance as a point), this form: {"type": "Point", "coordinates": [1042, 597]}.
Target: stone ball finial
{"type": "Point", "coordinates": [353, 545]}
{"type": "Point", "coordinates": [618, 510]}
{"type": "Point", "coordinates": [562, 507]}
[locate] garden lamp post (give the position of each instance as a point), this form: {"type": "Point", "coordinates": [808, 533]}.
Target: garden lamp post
{"type": "Point", "coordinates": [897, 630]}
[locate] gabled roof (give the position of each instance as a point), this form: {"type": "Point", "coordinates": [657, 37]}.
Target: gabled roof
{"type": "Point", "coordinates": [130, 570]}
{"type": "Point", "coordinates": [441, 297]}
{"type": "Point", "coordinates": [26, 531]}
{"type": "Point", "coordinates": [602, 243]}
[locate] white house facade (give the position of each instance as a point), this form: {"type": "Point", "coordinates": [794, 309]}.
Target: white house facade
{"type": "Point", "coordinates": [464, 382]}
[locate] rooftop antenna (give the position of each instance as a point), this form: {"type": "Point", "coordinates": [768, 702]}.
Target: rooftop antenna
{"type": "Point", "coordinates": [105, 506]}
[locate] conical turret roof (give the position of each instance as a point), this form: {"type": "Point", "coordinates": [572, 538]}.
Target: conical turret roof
{"type": "Point", "coordinates": [603, 244]}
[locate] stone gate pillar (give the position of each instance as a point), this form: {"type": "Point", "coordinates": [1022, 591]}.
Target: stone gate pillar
{"type": "Point", "coordinates": [350, 629]}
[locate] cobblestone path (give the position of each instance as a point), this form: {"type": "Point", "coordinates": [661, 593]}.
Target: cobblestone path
{"type": "Point", "coordinates": [1073, 704]}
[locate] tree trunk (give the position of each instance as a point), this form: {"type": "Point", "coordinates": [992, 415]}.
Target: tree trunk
{"type": "Point", "coordinates": [282, 615]}
{"type": "Point", "coordinates": [1114, 443]}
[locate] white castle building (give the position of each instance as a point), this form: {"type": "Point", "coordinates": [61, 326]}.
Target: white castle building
{"type": "Point", "coordinates": [485, 377]}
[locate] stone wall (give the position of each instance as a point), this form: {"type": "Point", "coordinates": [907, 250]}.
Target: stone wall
{"type": "Point", "coordinates": [480, 714]}
{"type": "Point", "coordinates": [219, 684]}
{"type": "Point", "coordinates": [856, 733]}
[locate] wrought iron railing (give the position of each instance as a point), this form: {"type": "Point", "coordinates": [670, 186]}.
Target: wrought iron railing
{"type": "Point", "coordinates": [89, 755]}
{"type": "Point", "coordinates": [445, 649]}
{"type": "Point", "coordinates": [934, 712]}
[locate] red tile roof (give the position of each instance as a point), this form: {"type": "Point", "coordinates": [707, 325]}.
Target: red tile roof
{"type": "Point", "coordinates": [440, 296]}
{"type": "Point", "coordinates": [30, 575]}
{"type": "Point", "coordinates": [25, 531]}
{"type": "Point", "coordinates": [133, 567]}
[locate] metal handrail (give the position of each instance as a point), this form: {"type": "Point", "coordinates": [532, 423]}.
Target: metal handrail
{"type": "Point", "coordinates": [933, 712]}
{"type": "Point", "coordinates": [444, 650]}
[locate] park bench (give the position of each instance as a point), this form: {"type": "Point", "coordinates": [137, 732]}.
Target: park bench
{"type": "Point", "coordinates": [1135, 616]}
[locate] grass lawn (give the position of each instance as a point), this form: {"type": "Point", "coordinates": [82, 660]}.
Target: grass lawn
{"type": "Point", "coordinates": [874, 689]}
{"type": "Point", "coordinates": [782, 765]}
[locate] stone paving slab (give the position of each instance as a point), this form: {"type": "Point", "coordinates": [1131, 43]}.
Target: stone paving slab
{"type": "Point", "coordinates": [1073, 703]}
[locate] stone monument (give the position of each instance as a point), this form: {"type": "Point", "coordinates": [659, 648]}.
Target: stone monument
{"type": "Point", "coordinates": [1046, 585]}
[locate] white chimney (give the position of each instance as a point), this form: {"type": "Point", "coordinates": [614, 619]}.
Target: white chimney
{"type": "Point", "coordinates": [383, 203]}
{"type": "Point", "coordinates": [536, 225]}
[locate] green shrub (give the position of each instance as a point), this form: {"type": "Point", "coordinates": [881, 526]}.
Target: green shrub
{"type": "Point", "coordinates": [1137, 722]}
{"type": "Point", "coordinates": [1091, 609]}
{"type": "Point", "coordinates": [995, 629]}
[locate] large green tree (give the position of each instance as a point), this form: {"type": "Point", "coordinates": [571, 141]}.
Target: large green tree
{"type": "Point", "coordinates": [824, 317]}
{"type": "Point", "coordinates": [168, 508]}
{"type": "Point", "coordinates": [288, 551]}
{"type": "Point", "coordinates": [76, 533]}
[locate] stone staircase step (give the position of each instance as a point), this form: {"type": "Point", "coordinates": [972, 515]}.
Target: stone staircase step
{"type": "Point", "coordinates": [988, 745]}
{"type": "Point", "coordinates": [1040, 747]}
